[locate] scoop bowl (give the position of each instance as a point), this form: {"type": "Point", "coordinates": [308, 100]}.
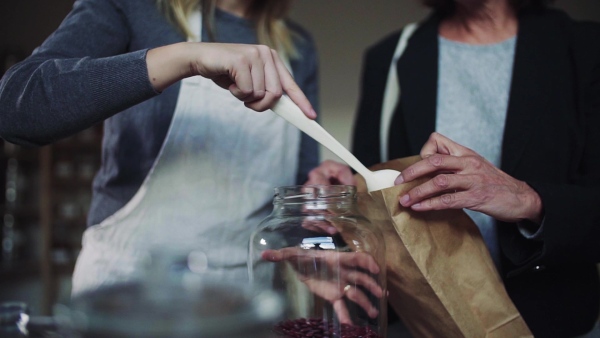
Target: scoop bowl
{"type": "Point", "coordinates": [381, 179]}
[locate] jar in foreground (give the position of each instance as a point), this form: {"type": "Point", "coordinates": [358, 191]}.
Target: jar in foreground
{"type": "Point", "coordinates": [326, 259]}
{"type": "Point", "coordinates": [178, 297]}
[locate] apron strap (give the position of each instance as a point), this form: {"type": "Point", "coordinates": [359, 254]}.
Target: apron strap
{"type": "Point", "coordinates": [391, 96]}
{"type": "Point", "coordinates": [195, 24]}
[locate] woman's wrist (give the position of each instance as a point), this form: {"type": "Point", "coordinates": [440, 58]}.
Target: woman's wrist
{"type": "Point", "coordinates": [168, 64]}
{"type": "Point", "coordinates": [534, 210]}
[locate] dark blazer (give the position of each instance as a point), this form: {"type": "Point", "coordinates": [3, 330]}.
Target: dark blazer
{"type": "Point", "coordinates": [551, 141]}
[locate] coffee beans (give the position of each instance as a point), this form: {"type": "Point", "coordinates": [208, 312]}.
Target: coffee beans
{"type": "Point", "coordinates": [318, 328]}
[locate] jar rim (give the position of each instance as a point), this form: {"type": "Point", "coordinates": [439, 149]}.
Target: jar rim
{"type": "Point", "coordinates": [300, 193]}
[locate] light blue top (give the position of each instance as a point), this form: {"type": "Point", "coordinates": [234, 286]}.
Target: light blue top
{"type": "Point", "coordinates": [473, 91]}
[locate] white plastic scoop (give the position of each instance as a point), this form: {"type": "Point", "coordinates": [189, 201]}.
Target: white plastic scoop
{"type": "Point", "coordinates": [376, 180]}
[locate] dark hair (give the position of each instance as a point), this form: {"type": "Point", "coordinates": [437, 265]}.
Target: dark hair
{"type": "Point", "coordinates": [447, 6]}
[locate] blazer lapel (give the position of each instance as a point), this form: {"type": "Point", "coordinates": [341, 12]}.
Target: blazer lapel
{"type": "Point", "coordinates": [538, 57]}
{"type": "Point", "coordinates": [417, 71]}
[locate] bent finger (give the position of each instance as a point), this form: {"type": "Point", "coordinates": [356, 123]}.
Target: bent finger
{"type": "Point", "coordinates": [259, 75]}
{"type": "Point", "coordinates": [366, 281]}
{"type": "Point", "coordinates": [436, 163]}
{"type": "Point", "coordinates": [342, 312]}
{"type": "Point", "coordinates": [433, 187]}
{"type": "Point", "coordinates": [270, 82]}
{"type": "Point", "coordinates": [360, 259]}
{"type": "Point", "coordinates": [242, 85]}
{"type": "Point", "coordinates": [265, 102]}
{"type": "Point", "coordinates": [292, 89]}
{"type": "Point", "coordinates": [442, 202]}
{"type": "Point", "coordinates": [359, 297]}
{"type": "Point", "coordinates": [440, 144]}
{"type": "Point", "coordinates": [272, 78]}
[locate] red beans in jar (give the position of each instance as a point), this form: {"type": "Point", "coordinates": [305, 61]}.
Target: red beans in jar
{"type": "Point", "coordinates": [318, 328]}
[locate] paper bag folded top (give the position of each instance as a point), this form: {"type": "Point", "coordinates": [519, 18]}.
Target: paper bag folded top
{"type": "Point", "coordinates": [441, 278]}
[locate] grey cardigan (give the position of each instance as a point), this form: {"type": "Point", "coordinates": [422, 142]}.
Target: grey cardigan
{"type": "Point", "coordinates": [93, 67]}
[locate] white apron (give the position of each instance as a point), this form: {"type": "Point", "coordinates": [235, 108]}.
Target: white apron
{"type": "Point", "coordinates": [210, 186]}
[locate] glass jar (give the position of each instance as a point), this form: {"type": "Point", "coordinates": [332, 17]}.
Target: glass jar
{"type": "Point", "coordinates": [176, 298]}
{"type": "Point", "coordinates": [326, 259]}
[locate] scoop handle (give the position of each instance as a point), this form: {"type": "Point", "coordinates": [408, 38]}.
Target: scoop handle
{"type": "Point", "coordinates": [287, 109]}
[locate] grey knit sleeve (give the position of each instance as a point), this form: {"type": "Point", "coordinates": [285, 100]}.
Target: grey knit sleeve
{"type": "Point", "coordinates": [82, 74]}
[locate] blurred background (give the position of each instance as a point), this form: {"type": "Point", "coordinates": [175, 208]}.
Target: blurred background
{"type": "Point", "coordinates": [344, 29]}
{"type": "Point", "coordinates": [45, 191]}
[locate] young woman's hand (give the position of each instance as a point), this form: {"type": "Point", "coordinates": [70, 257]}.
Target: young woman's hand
{"type": "Point", "coordinates": [334, 276]}
{"type": "Point", "coordinates": [461, 178]}
{"type": "Point", "coordinates": [254, 74]}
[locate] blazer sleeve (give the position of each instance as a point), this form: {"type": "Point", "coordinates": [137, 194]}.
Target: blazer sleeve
{"type": "Point", "coordinates": [571, 229]}
{"type": "Point", "coordinates": [375, 67]}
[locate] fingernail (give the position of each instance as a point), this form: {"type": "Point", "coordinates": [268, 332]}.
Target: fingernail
{"type": "Point", "coordinates": [399, 180]}
{"type": "Point", "coordinates": [373, 313]}
{"type": "Point", "coordinates": [313, 113]}
{"type": "Point", "coordinates": [416, 206]}
{"type": "Point", "coordinates": [404, 199]}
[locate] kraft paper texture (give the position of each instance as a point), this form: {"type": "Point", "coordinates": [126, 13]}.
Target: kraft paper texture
{"type": "Point", "coordinates": [441, 279]}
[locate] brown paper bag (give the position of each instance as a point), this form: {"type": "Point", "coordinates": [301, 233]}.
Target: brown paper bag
{"type": "Point", "coordinates": [440, 276]}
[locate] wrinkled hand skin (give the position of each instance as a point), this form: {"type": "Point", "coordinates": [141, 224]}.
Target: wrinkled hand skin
{"type": "Point", "coordinates": [343, 275]}
{"type": "Point", "coordinates": [461, 178]}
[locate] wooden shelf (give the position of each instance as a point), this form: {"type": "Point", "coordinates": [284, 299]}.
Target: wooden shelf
{"type": "Point", "coordinates": [19, 268]}
{"type": "Point", "coordinates": [66, 172]}
{"type": "Point", "coordinates": [55, 186]}
{"type": "Point", "coordinates": [28, 213]}
{"type": "Point", "coordinates": [20, 153]}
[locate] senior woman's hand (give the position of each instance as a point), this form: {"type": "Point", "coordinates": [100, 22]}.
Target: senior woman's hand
{"type": "Point", "coordinates": [461, 178]}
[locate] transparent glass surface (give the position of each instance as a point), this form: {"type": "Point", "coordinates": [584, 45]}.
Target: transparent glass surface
{"type": "Point", "coordinates": [326, 259]}
{"type": "Point", "coordinates": [176, 299]}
